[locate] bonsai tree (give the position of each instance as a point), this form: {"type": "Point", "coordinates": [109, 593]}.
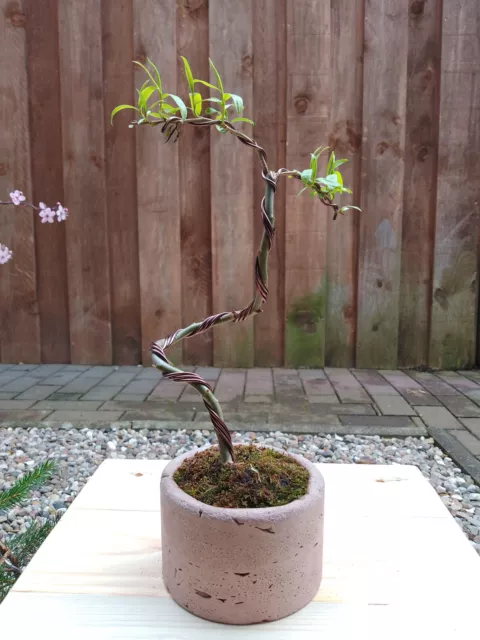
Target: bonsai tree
{"type": "Point", "coordinates": [47, 214]}
{"type": "Point", "coordinates": [223, 110]}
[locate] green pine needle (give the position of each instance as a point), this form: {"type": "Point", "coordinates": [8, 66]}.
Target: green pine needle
{"type": "Point", "coordinates": [22, 487]}
{"type": "Point", "coordinates": [24, 545]}
{"type": "Point", "coordinates": [7, 580]}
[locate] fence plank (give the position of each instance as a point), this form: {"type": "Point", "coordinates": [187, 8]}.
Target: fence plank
{"type": "Point", "coordinates": [194, 169]}
{"type": "Point", "coordinates": [120, 176]}
{"type": "Point", "coordinates": [308, 111]}
{"type": "Point", "coordinates": [452, 341]}
{"type": "Point", "coordinates": [384, 100]}
{"type": "Point", "coordinates": [19, 320]}
{"type": "Point", "coordinates": [421, 149]}
{"type": "Point", "coordinates": [269, 84]}
{"type": "Point", "coordinates": [84, 180]}
{"type": "Point", "coordinates": [47, 175]}
{"type": "Point", "coordinates": [231, 181]}
{"type": "Point", "coordinates": [157, 185]}
{"type": "Point", "coordinates": [345, 140]}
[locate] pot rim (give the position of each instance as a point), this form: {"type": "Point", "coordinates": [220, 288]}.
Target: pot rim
{"type": "Point", "coordinates": [316, 485]}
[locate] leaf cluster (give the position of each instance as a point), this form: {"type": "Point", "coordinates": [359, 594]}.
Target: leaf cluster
{"type": "Point", "coordinates": [328, 186]}
{"type": "Point", "coordinates": [154, 104]}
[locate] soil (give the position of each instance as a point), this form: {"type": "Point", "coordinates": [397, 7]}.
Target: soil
{"type": "Point", "coordinates": [259, 477]}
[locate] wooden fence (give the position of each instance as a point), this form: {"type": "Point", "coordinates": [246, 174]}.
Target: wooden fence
{"type": "Point", "coordinates": [162, 235]}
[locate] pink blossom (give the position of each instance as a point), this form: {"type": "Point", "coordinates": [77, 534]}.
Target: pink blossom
{"type": "Point", "coordinates": [46, 214]}
{"type": "Point", "coordinates": [17, 197]}
{"type": "Point", "coordinates": [62, 212]}
{"type": "Point", "coordinates": [5, 254]}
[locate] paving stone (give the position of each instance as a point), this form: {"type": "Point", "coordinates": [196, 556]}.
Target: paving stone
{"type": "Point", "coordinates": [457, 381]}
{"type": "Point", "coordinates": [472, 424]}
{"type": "Point", "coordinates": [101, 393]}
{"type": "Point", "coordinates": [328, 399]}
{"type": "Point", "coordinates": [80, 385]}
{"type": "Point", "coordinates": [149, 373]}
{"type": "Point", "coordinates": [473, 375]}
{"type": "Point", "coordinates": [230, 385]}
{"type": "Point", "coordinates": [26, 367]}
{"type": "Point", "coordinates": [259, 399]}
{"type": "Point", "coordinates": [374, 383]}
{"type": "Point", "coordinates": [394, 406]}
{"type": "Point", "coordinates": [85, 416]}
{"type": "Point", "coordinates": [457, 451]}
{"type": "Point", "coordinates": [340, 409]}
{"type": "Point", "coordinates": [433, 384]}
{"type": "Point", "coordinates": [130, 397]}
{"type": "Point", "coordinates": [316, 383]}
{"type": "Point", "coordinates": [7, 395]}
{"type": "Point", "coordinates": [68, 405]}
{"type": "Point", "coordinates": [99, 371]}
{"type": "Point", "coordinates": [377, 421]}
{"type": "Point", "coordinates": [9, 376]}
{"type": "Point", "coordinates": [438, 417]}
{"type": "Point", "coordinates": [158, 414]}
{"type": "Point", "coordinates": [15, 404]}
{"type": "Point", "coordinates": [347, 386]}
{"type": "Point", "coordinates": [37, 393]}
{"type": "Point", "coordinates": [22, 417]}
{"type": "Point", "coordinates": [47, 370]}
{"type": "Point", "coordinates": [140, 387]}
{"type": "Point", "coordinates": [259, 382]}
{"type": "Point", "coordinates": [167, 390]}
{"type": "Point", "coordinates": [469, 441]}
{"type": "Point", "coordinates": [420, 397]}
{"type": "Point", "coordinates": [239, 418]}
{"type": "Point", "coordinates": [208, 373]}
{"type": "Point", "coordinates": [60, 379]}
{"type": "Point", "coordinates": [20, 384]}
{"type": "Point", "coordinates": [79, 367]}
{"type": "Point", "coordinates": [5, 367]}
{"type": "Point", "coordinates": [474, 395]}
{"type": "Point", "coordinates": [399, 379]}
{"type": "Point", "coordinates": [60, 395]}
{"type": "Point", "coordinates": [118, 378]}
{"type": "Point", "coordinates": [460, 406]}
{"type": "Point", "coordinates": [288, 386]}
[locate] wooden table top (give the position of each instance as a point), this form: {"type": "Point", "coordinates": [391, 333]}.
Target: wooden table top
{"type": "Point", "coordinates": [395, 563]}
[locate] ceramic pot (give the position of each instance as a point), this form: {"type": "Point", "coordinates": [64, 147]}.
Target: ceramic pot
{"type": "Point", "coordinates": [242, 566]}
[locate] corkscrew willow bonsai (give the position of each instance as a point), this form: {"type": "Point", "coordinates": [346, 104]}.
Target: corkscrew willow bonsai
{"type": "Point", "coordinates": [155, 107]}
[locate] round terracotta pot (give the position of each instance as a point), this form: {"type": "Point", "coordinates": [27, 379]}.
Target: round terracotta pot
{"type": "Point", "coordinates": [242, 566]}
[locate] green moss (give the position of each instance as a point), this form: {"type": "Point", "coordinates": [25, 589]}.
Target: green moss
{"type": "Point", "coordinates": [305, 331]}
{"type": "Point", "coordinates": [260, 477]}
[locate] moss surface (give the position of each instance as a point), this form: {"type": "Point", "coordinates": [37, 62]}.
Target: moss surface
{"type": "Point", "coordinates": [258, 478]}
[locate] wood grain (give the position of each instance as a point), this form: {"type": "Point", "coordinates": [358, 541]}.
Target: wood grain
{"type": "Point", "coordinates": [269, 83]}
{"type": "Point", "coordinates": [345, 140]}
{"type": "Point", "coordinates": [157, 185]}
{"type": "Point", "coordinates": [421, 152]}
{"type": "Point", "coordinates": [230, 28]}
{"type": "Point", "coordinates": [194, 171]}
{"type": "Point", "coordinates": [47, 175]}
{"type": "Point", "coordinates": [455, 285]}
{"type": "Point", "coordinates": [19, 319]}
{"type": "Point", "coordinates": [83, 131]}
{"type": "Point", "coordinates": [120, 178]}
{"type": "Point", "coordinates": [308, 113]}
{"type": "Point", "coordinates": [113, 580]}
{"type": "Point", "coordinates": [383, 151]}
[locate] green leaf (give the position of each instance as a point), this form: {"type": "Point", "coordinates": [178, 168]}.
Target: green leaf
{"type": "Point", "coordinates": [181, 105]}
{"type": "Point", "coordinates": [238, 102]}
{"type": "Point", "coordinates": [121, 107]}
{"type": "Point", "coordinates": [152, 79]}
{"type": "Point", "coordinates": [219, 127]}
{"type": "Point", "coordinates": [337, 163]}
{"type": "Point", "coordinates": [189, 76]}
{"type": "Point", "coordinates": [301, 191]}
{"type": "Point", "coordinates": [331, 161]}
{"type": "Point", "coordinates": [306, 176]}
{"type": "Point", "coordinates": [217, 75]}
{"type": "Point", "coordinates": [313, 166]}
{"type": "Point", "coordinates": [319, 150]}
{"type": "Point", "coordinates": [213, 100]}
{"type": "Point", "coordinates": [210, 110]}
{"type": "Point", "coordinates": [156, 114]}
{"type": "Point", "coordinates": [196, 102]}
{"type": "Point", "coordinates": [157, 73]}
{"type": "Point", "coordinates": [144, 95]}
{"type": "Point", "coordinates": [207, 84]}
{"type": "Point", "coordinates": [339, 177]}
{"type": "Point", "coordinates": [351, 206]}
{"type": "Point", "coordinates": [243, 120]}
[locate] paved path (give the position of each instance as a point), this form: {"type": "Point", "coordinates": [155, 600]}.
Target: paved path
{"type": "Point", "coordinates": [445, 404]}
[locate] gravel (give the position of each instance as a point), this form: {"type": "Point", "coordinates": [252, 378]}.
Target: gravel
{"type": "Point", "coordinates": [78, 452]}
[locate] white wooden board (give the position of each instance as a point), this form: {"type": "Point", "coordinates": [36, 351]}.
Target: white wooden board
{"type": "Point", "coordinates": [394, 560]}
